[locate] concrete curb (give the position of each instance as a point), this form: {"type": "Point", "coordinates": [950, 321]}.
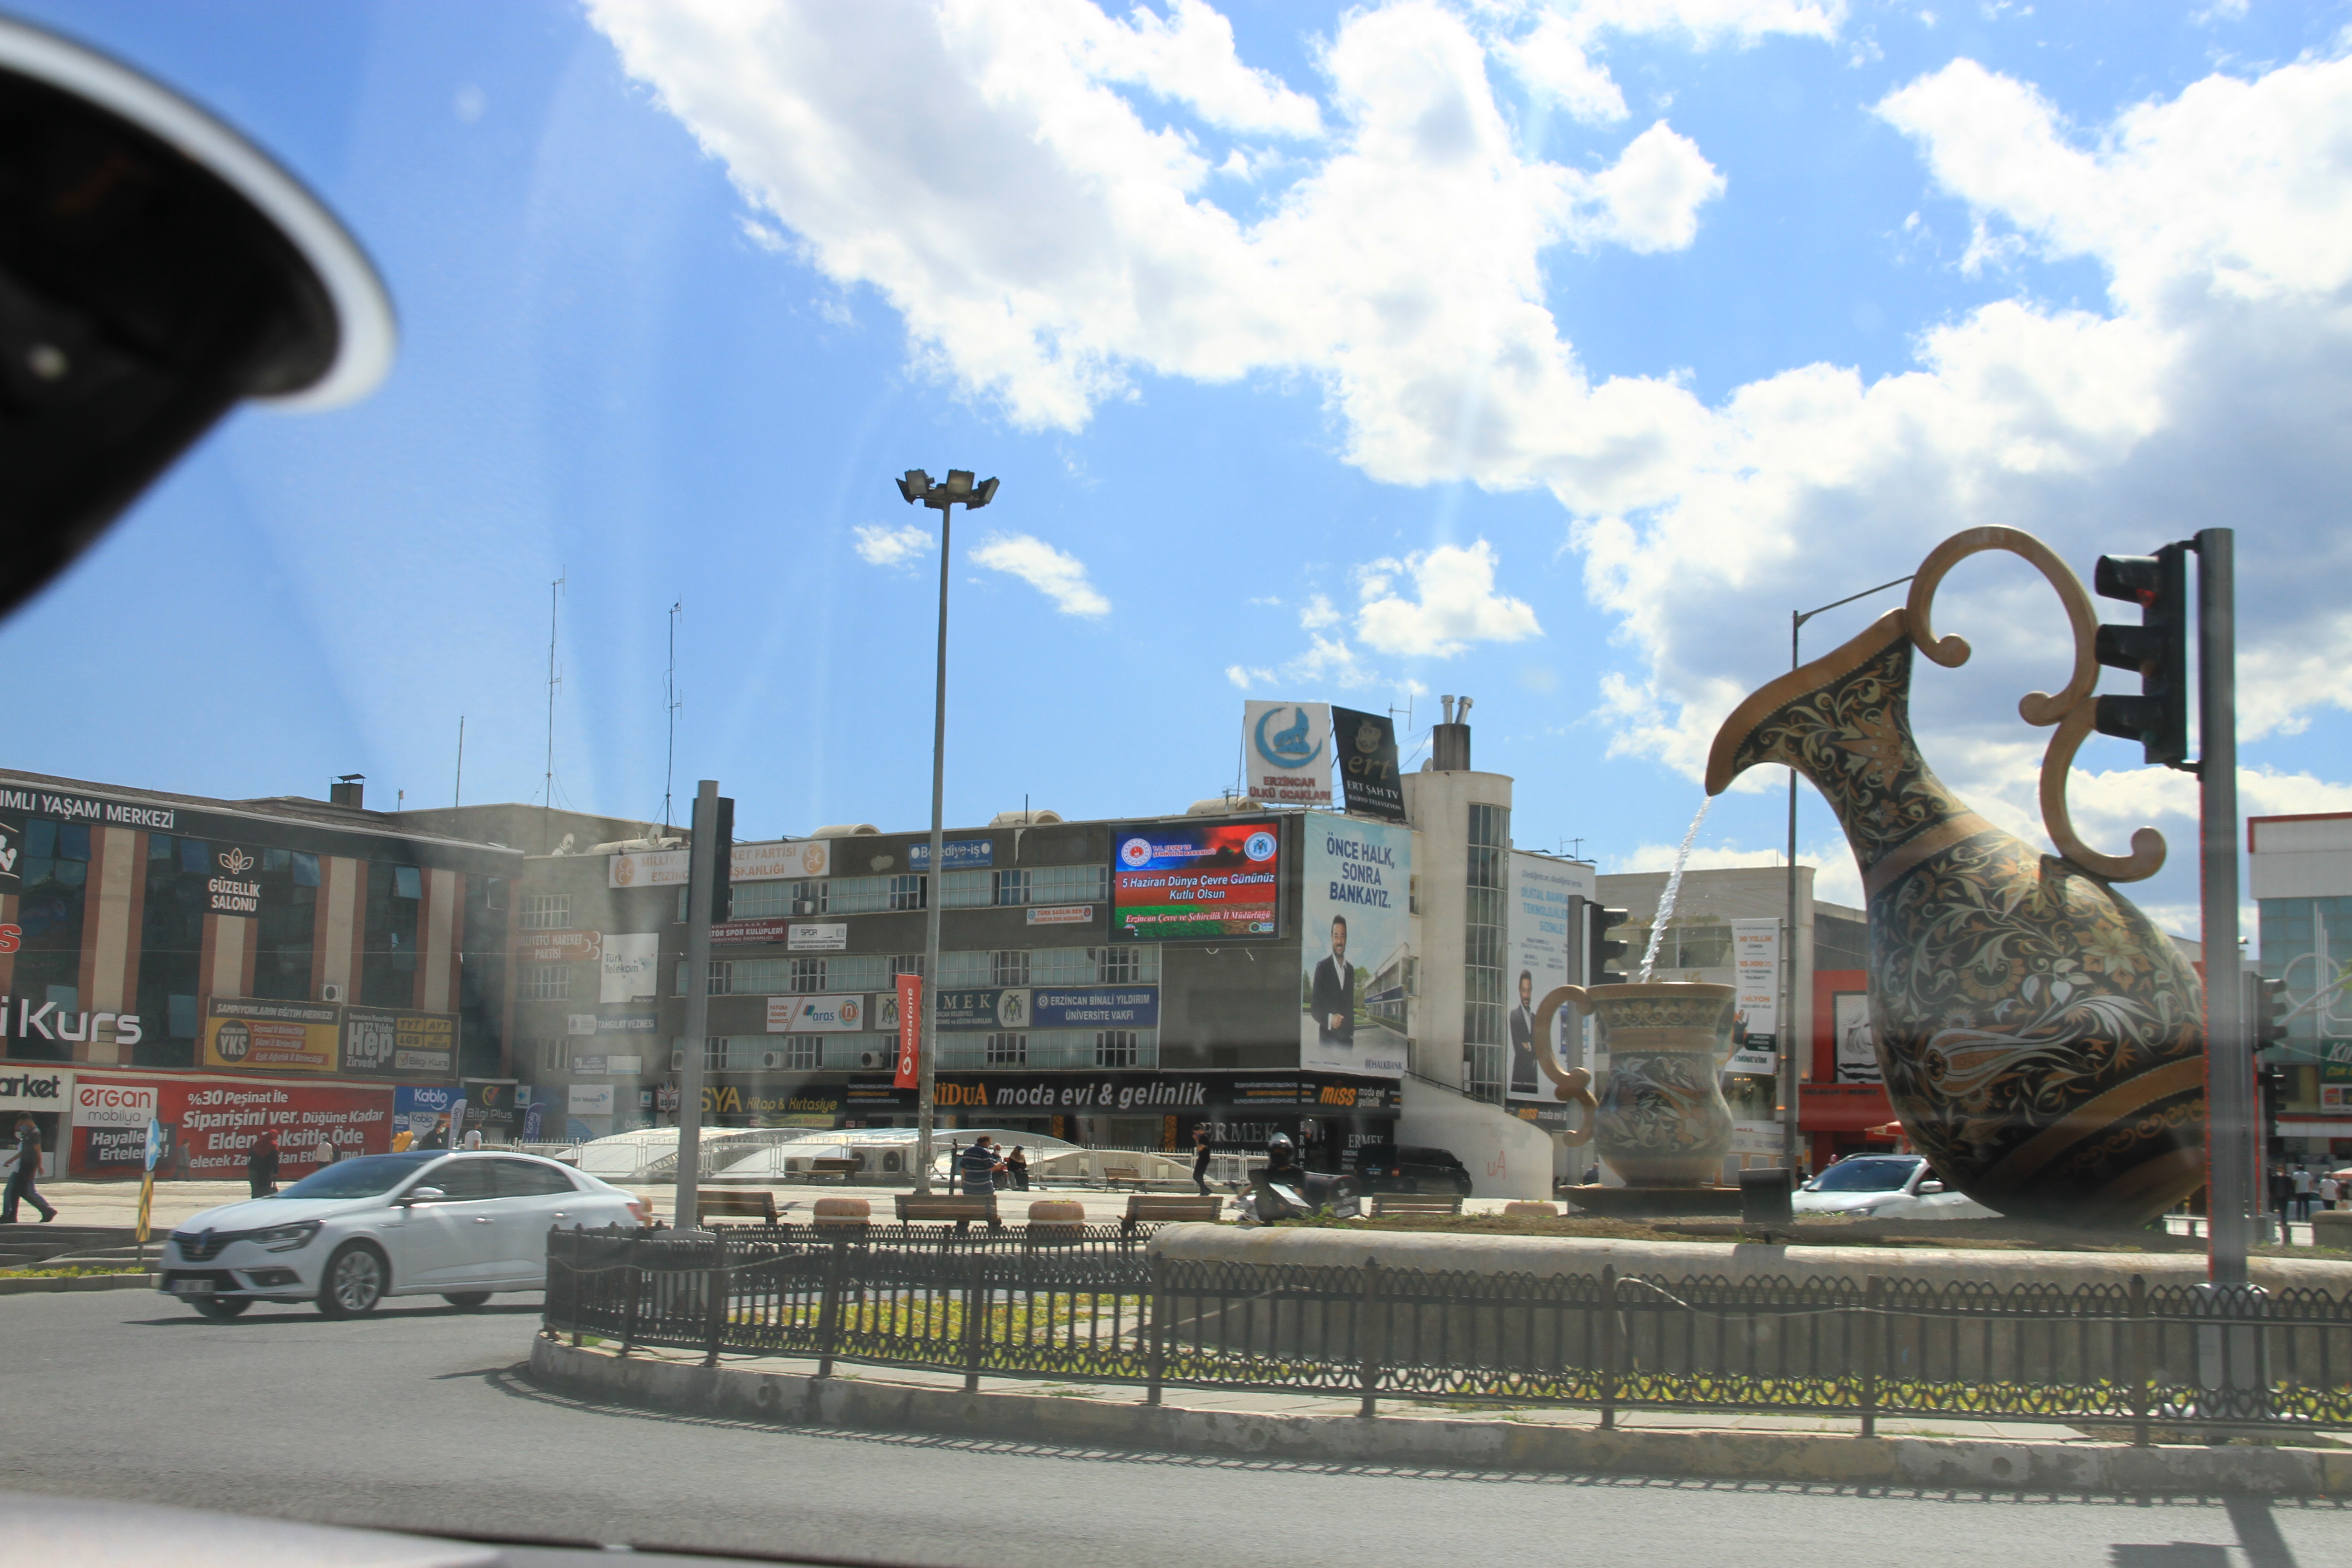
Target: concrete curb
{"type": "Point", "coordinates": [1421, 1441]}
{"type": "Point", "coordinates": [39, 1286]}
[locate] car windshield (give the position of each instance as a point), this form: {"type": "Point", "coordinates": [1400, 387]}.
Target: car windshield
{"type": "Point", "coordinates": [364, 1177]}
{"type": "Point", "coordinates": [479, 686]}
{"type": "Point", "coordinates": [1864, 1176]}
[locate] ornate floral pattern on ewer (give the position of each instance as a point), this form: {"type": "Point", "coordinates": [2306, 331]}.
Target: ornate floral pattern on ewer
{"type": "Point", "coordinates": [2042, 1041]}
{"type": "Point", "coordinates": [1662, 1121]}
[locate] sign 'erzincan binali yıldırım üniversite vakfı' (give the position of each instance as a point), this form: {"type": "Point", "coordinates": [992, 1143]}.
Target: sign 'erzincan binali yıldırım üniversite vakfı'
{"type": "Point", "coordinates": [1197, 882]}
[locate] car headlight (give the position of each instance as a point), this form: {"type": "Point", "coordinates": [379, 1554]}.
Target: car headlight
{"type": "Point", "coordinates": [287, 1237]}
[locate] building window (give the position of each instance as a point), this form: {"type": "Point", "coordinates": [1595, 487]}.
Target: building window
{"type": "Point", "coordinates": [547, 911]}
{"type": "Point", "coordinates": [555, 1054]}
{"type": "Point", "coordinates": [906, 963]}
{"type": "Point", "coordinates": [1067, 884]}
{"type": "Point", "coordinates": [171, 934]}
{"type": "Point", "coordinates": [1010, 1050]}
{"type": "Point", "coordinates": [1482, 951]}
{"type": "Point", "coordinates": [388, 956]}
{"type": "Point", "coordinates": [1115, 1048]}
{"type": "Point", "coordinates": [1008, 886]}
{"type": "Point", "coordinates": [967, 890]}
{"type": "Point", "coordinates": [714, 1053]}
{"type": "Point", "coordinates": [802, 1052]}
{"type": "Point", "coordinates": [283, 929]}
{"type": "Point", "coordinates": [868, 895]}
{"type": "Point", "coordinates": [547, 982]}
{"type": "Point", "coordinates": [54, 872]}
{"type": "Point", "coordinates": [963, 968]}
{"type": "Point", "coordinates": [1009, 966]}
{"type": "Point", "coordinates": [1126, 965]}
{"type": "Point", "coordinates": [808, 975]}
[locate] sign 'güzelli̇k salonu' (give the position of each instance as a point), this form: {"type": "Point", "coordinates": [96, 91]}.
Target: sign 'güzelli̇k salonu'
{"type": "Point", "coordinates": [248, 1033]}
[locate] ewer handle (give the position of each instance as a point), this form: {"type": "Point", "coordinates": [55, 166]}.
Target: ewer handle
{"type": "Point", "coordinates": [1573, 1085]}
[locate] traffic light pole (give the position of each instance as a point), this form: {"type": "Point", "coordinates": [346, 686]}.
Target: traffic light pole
{"type": "Point", "coordinates": [2232, 1148]}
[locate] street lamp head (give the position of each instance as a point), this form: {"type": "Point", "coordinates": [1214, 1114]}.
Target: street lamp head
{"type": "Point", "coordinates": [983, 496]}
{"type": "Point", "coordinates": [959, 483]}
{"type": "Point", "coordinates": [915, 486]}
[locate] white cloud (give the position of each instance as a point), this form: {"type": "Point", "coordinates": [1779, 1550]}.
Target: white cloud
{"type": "Point", "coordinates": [1455, 603]}
{"type": "Point", "coordinates": [1651, 194]}
{"type": "Point", "coordinates": [881, 546]}
{"type": "Point", "coordinates": [1043, 243]}
{"type": "Point", "coordinates": [1246, 677]}
{"type": "Point", "coordinates": [1558, 56]}
{"type": "Point", "coordinates": [1060, 576]}
{"type": "Point", "coordinates": [1318, 613]}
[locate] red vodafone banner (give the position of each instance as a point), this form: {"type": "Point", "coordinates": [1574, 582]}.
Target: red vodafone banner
{"type": "Point", "coordinates": [910, 1031]}
{"type": "Point", "coordinates": [211, 1124]}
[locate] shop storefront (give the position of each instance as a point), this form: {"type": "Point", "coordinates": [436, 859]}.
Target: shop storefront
{"type": "Point", "coordinates": [1330, 1113]}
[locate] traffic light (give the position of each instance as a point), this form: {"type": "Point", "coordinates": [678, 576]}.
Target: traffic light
{"type": "Point", "coordinates": [1599, 950]}
{"type": "Point", "coordinates": [2270, 1090]}
{"type": "Point", "coordinates": [2267, 1011]}
{"type": "Point", "coordinates": [2158, 647]}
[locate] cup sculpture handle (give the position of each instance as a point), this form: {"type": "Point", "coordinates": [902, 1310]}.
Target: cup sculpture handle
{"type": "Point", "coordinates": [1572, 1084]}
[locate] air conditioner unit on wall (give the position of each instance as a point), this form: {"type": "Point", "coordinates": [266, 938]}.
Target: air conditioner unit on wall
{"type": "Point", "coordinates": [331, 992]}
{"type": "Point", "coordinates": [803, 906]}
{"type": "Point", "coordinates": [770, 1060]}
{"type": "Point", "coordinates": [677, 1062]}
{"type": "Point", "coordinates": [872, 1059]}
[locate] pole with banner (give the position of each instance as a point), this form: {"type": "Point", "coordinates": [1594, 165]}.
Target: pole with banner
{"type": "Point", "coordinates": [147, 1185]}
{"type": "Point", "coordinates": [910, 1033]}
{"type": "Point", "coordinates": [458, 1122]}
{"type": "Point", "coordinates": [709, 822]}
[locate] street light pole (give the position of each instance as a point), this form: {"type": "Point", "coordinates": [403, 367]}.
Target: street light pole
{"type": "Point", "coordinates": [916, 486]}
{"type": "Point", "coordinates": [1785, 1026]}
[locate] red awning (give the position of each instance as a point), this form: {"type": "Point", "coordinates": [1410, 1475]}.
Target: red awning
{"type": "Point", "coordinates": [1843, 1107]}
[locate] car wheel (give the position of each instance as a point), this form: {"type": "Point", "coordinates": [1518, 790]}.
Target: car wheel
{"type": "Point", "coordinates": [465, 1300]}
{"type": "Point", "coordinates": [222, 1306]}
{"type": "Point", "coordinates": [356, 1280]}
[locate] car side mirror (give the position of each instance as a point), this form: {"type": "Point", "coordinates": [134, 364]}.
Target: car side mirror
{"type": "Point", "coordinates": [1928, 1188]}
{"type": "Point", "coordinates": [423, 1196]}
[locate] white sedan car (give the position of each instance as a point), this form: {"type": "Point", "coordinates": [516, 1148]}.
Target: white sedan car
{"type": "Point", "coordinates": [458, 1225]}
{"type": "Point", "coordinates": [1885, 1186]}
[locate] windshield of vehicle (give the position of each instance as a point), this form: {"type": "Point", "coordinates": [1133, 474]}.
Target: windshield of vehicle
{"type": "Point", "coordinates": [1864, 1176]}
{"type": "Point", "coordinates": [1389, 462]}
{"type": "Point", "coordinates": [364, 1177]}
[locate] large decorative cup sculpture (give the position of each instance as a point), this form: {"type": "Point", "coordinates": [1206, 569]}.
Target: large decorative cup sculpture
{"type": "Point", "coordinates": [2041, 1042]}
{"type": "Point", "coordinates": [1662, 1121]}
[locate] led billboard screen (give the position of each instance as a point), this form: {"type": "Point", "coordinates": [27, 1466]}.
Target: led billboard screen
{"type": "Point", "coordinates": [1196, 881]}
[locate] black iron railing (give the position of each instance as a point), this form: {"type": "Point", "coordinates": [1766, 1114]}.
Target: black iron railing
{"type": "Point", "coordinates": [1093, 1304]}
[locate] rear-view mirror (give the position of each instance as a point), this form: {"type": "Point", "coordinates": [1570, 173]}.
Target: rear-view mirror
{"type": "Point", "coordinates": [425, 1196]}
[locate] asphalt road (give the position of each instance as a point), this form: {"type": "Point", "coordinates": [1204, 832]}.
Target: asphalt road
{"type": "Point", "coordinates": [419, 1418]}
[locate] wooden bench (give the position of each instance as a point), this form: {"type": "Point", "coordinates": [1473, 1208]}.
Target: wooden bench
{"type": "Point", "coordinates": [709, 1202]}
{"type": "Point", "coordinates": [1145, 1209]}
{"type": "Point", "coordinates": [1114, 1174]}
{"type": "Point", "coordinates": [1415, 1203]}
{"type": "Point", "coordinates": [844, 1169]}
{"type": "Point", "coordinates": [958, 1211]}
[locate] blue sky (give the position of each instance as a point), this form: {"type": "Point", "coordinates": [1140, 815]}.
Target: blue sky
{"type": "Point", "coordinates": [1548, 355]}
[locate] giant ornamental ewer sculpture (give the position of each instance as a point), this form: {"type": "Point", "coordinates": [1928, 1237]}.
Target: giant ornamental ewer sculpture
{"type": "Point", "coordinates": [2042, 1041]}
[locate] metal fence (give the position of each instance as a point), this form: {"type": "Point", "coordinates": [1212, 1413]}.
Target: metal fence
{"type": "Point", "coordinates": [1093, 1304]}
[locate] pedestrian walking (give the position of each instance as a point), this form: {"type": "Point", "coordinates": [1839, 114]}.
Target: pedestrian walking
{"type": "Point", "coordinates": [978, 1166]}
{"type": "Point", "coordinates": [2305, 1187]}
{"type": "Point", "coordinates": [436, 1139]}
{"type": "Point", "coordinates": [1200, 1158]}
{"type": "Point", "coordinates": [473, 1138]}
{"type": "Point", "coordinates": [2330, 1189]}
{"type": "Point", "coordinates": [27, 1171]}
{"type": "Point", "coordinates": [261, 1166]}
{"type": "Point", "coordinates": [1017, 1164]}
{"type": "Point", "coordinates": [328, 1152]}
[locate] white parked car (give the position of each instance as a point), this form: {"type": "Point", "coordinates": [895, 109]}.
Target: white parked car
{"type": "Point", "coordinates": [458, 1225]}
{"type": "Point", "coordinates": [1886, 1186]}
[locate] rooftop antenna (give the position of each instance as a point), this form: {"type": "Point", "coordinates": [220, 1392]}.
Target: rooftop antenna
{"type": "Point", "coordinates": [555, 680]}
{"type": "Point", "coordinates": [671, 702]}
{"type": "Point", "coordinates": [457, 790]}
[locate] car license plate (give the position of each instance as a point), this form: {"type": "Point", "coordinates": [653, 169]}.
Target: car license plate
{"type": "Point", "coordinates": [192, 1286]}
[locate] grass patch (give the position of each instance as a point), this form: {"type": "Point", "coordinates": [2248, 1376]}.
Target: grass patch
{"type": "Point", "coordinates": [65, 1271]}
{"type": "Point", "coordinates": [1823, 1230]}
